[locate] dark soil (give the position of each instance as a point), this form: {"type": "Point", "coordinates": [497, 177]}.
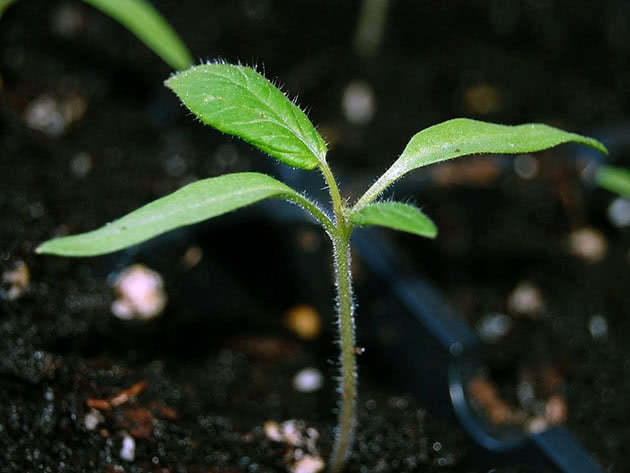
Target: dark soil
{"type": "Point", "coordinates": [219, 362]}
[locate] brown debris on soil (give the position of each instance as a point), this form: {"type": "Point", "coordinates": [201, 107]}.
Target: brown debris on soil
{"type": "Point", "coordinates": [119, 398]}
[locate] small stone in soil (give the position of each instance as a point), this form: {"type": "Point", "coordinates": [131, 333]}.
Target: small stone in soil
{"type": "Point", "coordinates": [67, 21]}
{"type": "Point", "coordinates": [304, 321]}
{"type": "Point", "coordinates": [292, 431]}
{"type": "Point", "coordinates": [273, 431]}
{"type": "Point", "coordinates": [302, 455]}
{"type": "Point", "coordinates": [308, 380]}
{"type": "Point", "coordinates": [192, 257]}
{"type": "Point", "coordinates": [358, 103]}
{"type": "Point", "coordinates": [588, 244]}
{"type": "Point", "coordinates": [619, 212]}
{"type": "Point", "coordinates": [52, 116]}
{"type": "Point", "coordinates": [92, 419]}
{"type": "Point", "coordinates": [525, 299]}
{"type": "Point", "coordinates": [44, 114]}
{"type": "Point", "coordinates": [526, 392]}
{"type": "Point", "coordinates": [308, 464]}
{"type": "Point", "coordinates": [536, 425]}
{"type": "Point", "coordinates": [17, 279]}
{"type": "Point", "coordinates": [493, 327]}
{"type": "Point", "coordinates": [81, 165]}
{"type": "Point", "coordinates": [140, 292]}
{"type": "Point", "coordinates": [598, 327]}
{"type": "Point", "coordinates": [128, 448]}
{"type": "Point", "coordinates": [556, 410]}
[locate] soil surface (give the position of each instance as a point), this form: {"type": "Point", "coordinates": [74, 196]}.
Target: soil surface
{"type": "Point", "coordinates": [528, 252]}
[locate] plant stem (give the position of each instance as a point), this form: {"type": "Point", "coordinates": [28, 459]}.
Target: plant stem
{"type": "Point", "coordinates": [313, 209]}
{"type": "Point", "coordinates": [335, 195]}
{"type": "Point", "coordinates": [340, 237]}
{"type": "Point", "coordinates": [348, 385]}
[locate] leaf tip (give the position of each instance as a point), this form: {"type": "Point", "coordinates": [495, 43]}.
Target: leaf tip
{"type": "Point", "coordinates": [169, 81]}
{"type": "Point", "coordinates": [45, 248]}
{"type": "Point", "coordinates": [599, 146]}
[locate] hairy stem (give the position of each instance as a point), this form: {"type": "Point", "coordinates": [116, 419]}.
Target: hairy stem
{"type": "Point", "coordinates": [335, 195]}
{"type": "Point", "coordinates": [348, 386]}
{"type": "Point", "coordinates": [313, 209]}
{"type": "Point", "coordinates": [340, 237]}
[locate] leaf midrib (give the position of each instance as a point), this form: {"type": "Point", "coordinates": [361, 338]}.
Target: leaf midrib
{"type": "Point", "coordinates": [209, 200]}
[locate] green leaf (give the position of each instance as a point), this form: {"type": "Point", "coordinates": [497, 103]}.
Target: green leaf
{"type": "Point", "coordinates": [396, 215]}
{"type": "Point", "coordinates": [239, 101]}
{"type": "Point", "coordinates": [193, 203]}
{"type": "Point", "coordinates": [462, 136]}
{"type": "Point", "coordinates": [614, 179]}
{"type": "Point", "coordinates": [139, 17]}
{"type": "Point", "coordinates": [4, 4]}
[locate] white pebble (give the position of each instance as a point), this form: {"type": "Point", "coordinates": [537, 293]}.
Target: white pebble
{"type": "Point", "coordinates": [273, 431]}
{"type": "Point", "coordinates": [308, 380]}
{"type": "Point", "coordinates": [93, 419]}
{"type": "Point", "coordinates": [526, 393]}
{"type": "Point", "coordinates": [308, 464]}
{"type": "Point", "coordinates": [67, 21]}
{"type": "Point", "coordinates": [44, 114]}
{"type": "Point", "coordinates": [140, 292]}
{"type": "Point", "coordinates": [493, 327]}
{"type": "Point", "coordinates": [525, 299]}
{"type": "Point", "coordinates": [302, 454]}
{"type": "Point", "coordinates": [358, 102]}
{"type": "Point", "coordinates": [619, 212]}
{"type": "Point", "coordinates": [536, 425]}
{"type": "Point", "coordinates": [81, 164]}
{"type": "Point", "coordinates": [128, 449]}
{"type": "Point", "coordinates": [588, 244]}
{"type": "Point", "coordinates": [598, 327]}
{"type": "Point", "coordinates": [292, 431]}
{"type": "Point", "coordinates": [17, 281]}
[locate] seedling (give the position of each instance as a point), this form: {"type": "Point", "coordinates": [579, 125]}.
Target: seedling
{"type": "Point", "coordinates": [239, 101]}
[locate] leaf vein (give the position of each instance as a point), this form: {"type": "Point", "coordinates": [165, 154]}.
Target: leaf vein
{"type": "Point", "coordinates": [295, 129]}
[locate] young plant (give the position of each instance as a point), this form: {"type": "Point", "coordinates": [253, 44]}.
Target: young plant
{"type": "Point", "coordinates": [239, 101]}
